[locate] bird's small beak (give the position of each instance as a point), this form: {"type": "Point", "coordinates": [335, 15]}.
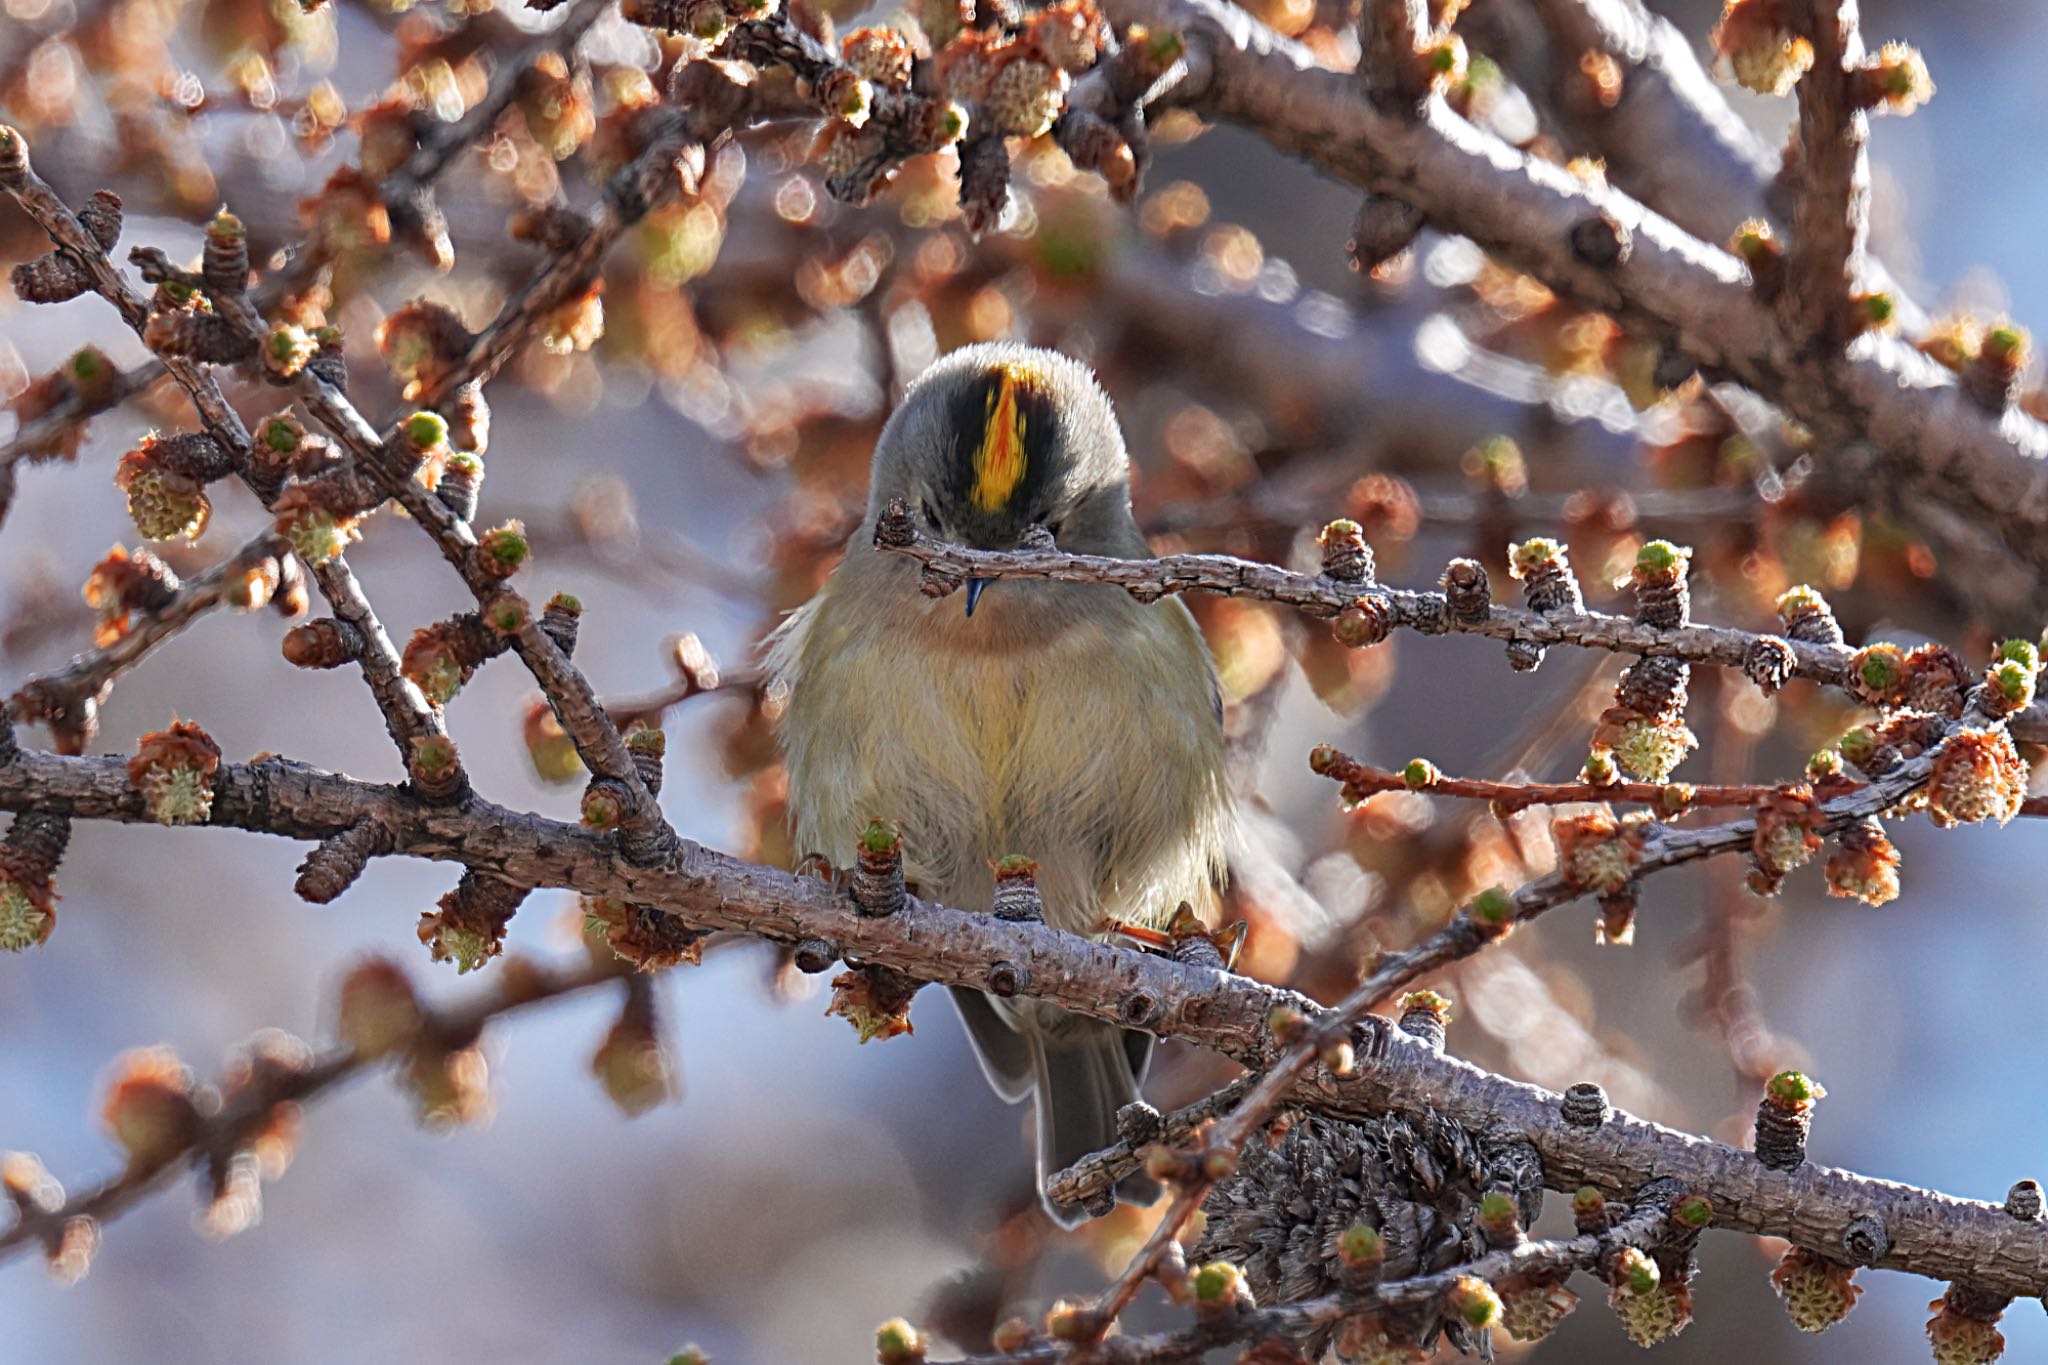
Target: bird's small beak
{"type": "Point", "coordinates": [974, 587]}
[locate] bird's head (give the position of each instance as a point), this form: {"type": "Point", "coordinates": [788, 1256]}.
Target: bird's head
{"type": "Point", "coordinates": [995, 439]}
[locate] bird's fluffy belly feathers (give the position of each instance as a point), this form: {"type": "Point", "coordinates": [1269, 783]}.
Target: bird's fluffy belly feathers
{"type": "Point", "coordinates": [1094, 750]}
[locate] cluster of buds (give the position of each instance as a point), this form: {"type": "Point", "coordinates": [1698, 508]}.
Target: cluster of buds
{"type": "Point", "coordinates": [633, 1063]}
{"type": "Point", "coordinates": [1978, 775]}
{"type": "Point", "coordinates": [1346, 557]}
{"type": "Point", "coordinates": [287, 349]}
{"type": "Point", "coordinates": [1375, 1339]}
{"type": "Point", "coordinates": [320, 517]}
{"type": "Point", "coordinates": [561, 619]}
{"type": "Point", "coordinates": [1013, 79]}
{"type": "Point", "coordinates": [1653, 1308]}
{"type": "Point", "coordinates": [1645, 729]}
{"type": "Point", "coordinates": [1783, 1117]}
{"type": "Point", "coordinates": [1768, 661]}
{"type": "Point", "coordinates": [461, 482]}
{"type": "Point", "coordinates": [2009, 682]}
{"type": "Point", "coordinates": [468, 927]}
{"type": "Point", "coordinates": [122, 585]}
{"type": "Point", "coordinates": [323, 643]}
{"type": "Point", "coordinates": [647, 746]}
{"type": "Point", "coordinates": [468, 414]}
{"type": "Point", "coordinates": [442, 657]}
{"type": "Point", "coordinates": [1787, 836]}
{"type": "Point", "coordinates": [1532, 1305]}
{"type": "Point", "coordinates": [1595, 852]}
{"type": "Point", "coordinates": [1864, 865]}
{"type": "Point", "coordinates": [1964, 1328]}
{"type": "Point", "coordinates": [165, 478]}
{"type": "Point", "coordinates": [641, 936]}
{"type": "Point", "coordinates": [1934, 679]}
{"type": "Point", "coordinates": [1761, 42]}
{"type": "Point", "coordinates": [880, 55]}
{"type": "Point", "coordinates": [29, 855]}
{"type": "Point", "coordinates": [1817, 1292]}
{"type": "Point", "coordinates": [875, 1000]}
{"type": "Point", "coordinates": [174, 770]}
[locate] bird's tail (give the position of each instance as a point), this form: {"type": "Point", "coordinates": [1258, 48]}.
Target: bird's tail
{"type": "Point", "coordinates": [1085, 1072]}
{"type": "Point", "coordinates": [1079, 1071]}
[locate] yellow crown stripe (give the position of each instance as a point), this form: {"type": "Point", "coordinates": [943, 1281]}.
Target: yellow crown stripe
{"type": "Point", "coordinates": [999, 460]}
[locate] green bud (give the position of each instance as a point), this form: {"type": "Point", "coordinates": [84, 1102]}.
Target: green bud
{"type": "Point", "coordinates": [425, 430]}
{"type": "Point", "coordinates": [1360, 1245]}
{"type": "Point", "coordinates": [1794, 1090]}
{"type": "Point", "coordinates": [1662, 559]}
{"type": "Point", "coordinates": [1216, 1282]}
{"type": "Point", "coordinates": [1493, 906]}
{"type": "Point", "coordinates": [1694, 1211]}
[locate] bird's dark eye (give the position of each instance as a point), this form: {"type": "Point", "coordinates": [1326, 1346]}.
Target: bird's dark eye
{"type": "Point", "coordinates": [931, 518]}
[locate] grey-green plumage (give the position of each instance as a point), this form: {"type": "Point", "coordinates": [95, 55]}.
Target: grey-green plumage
{"type": "Point", "coordinates": [1065, 722]}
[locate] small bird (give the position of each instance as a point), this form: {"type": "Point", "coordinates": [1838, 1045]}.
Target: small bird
{"type": "Point", "coordinates": [1064, 722]}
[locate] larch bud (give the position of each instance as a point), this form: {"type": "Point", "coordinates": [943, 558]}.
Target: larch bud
{"type": "Point", "coordinates": [1761, 45]}
{"type": "Point", "coordinates": [1864, 865]}
{"type": "Point", "coordinates": [224, 264]}
{"type": "Point", "coordinates": [1817, 1292]}
{"type": "Point", "coordinates": [174, 770]}
{"type": "Point", "coordinates": [1978, 775]}
{"type": "Point", "coordinates": [1783, 1118]}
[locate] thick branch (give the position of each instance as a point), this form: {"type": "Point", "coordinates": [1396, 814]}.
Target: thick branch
{"type": "Point", "coordinates": [1982, 466]}
{"type": "Point", "coordinates": [1831, 219]}
{"type": "Point", "coordinates": [1930, 1234]}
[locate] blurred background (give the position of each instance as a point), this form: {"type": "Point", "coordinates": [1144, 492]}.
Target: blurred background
{"type": "Point", "coordinates": [694, 472]}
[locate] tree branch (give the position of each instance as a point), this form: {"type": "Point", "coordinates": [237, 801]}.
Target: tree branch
{"type": "Point", "coordinates": [1982, 466]}
{"type": "Point", "coordinates": [1929, 1233]}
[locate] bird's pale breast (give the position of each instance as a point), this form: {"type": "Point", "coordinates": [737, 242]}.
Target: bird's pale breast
{"type": "Point", "coordinates": [1094, 750]}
